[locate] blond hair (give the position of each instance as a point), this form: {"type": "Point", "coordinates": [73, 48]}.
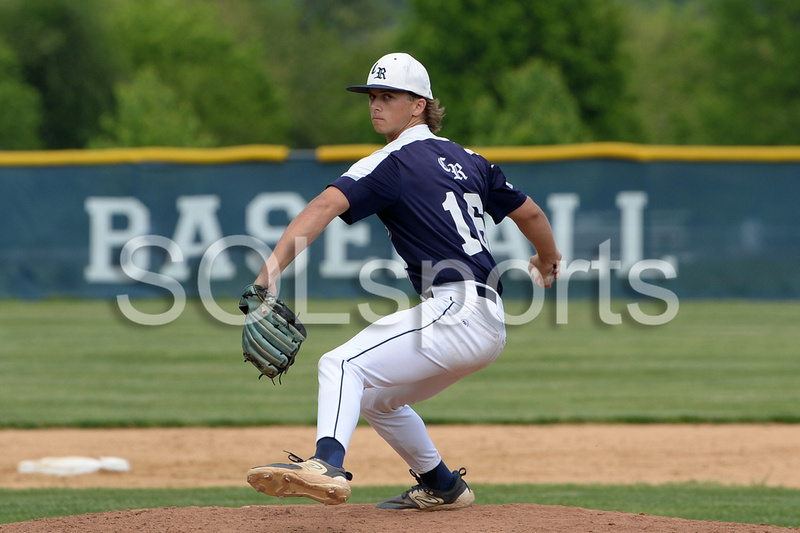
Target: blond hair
{"type": "Point", "coordinates": [433, 114]}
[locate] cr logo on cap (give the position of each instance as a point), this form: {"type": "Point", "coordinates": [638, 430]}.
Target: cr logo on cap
{"type": "Point", "coordinates": [380, 72]}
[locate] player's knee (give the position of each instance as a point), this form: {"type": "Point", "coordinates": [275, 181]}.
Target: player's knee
{"type": "Point", "coordinates": [330, 362]}
{"type": "Point", "coordinates": [375, 406]}
{"type": "Point", "coordinates": [370, 414]}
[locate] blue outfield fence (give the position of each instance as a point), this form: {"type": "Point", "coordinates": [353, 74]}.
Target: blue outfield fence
{"type": "Point", "coordinates": [638, 221]}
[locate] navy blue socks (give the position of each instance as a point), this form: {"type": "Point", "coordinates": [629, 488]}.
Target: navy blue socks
{"type": "Point", "coordinates": [331, 451]}
{"type": "Point", "coordinates": [440, 478]}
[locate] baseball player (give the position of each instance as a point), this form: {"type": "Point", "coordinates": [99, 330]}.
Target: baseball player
{"type": "Point", "coordinates": [432, 195]}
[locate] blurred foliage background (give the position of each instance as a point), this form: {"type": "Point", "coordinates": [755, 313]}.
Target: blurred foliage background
{"type": "Point", "coordinates": [106, 73]}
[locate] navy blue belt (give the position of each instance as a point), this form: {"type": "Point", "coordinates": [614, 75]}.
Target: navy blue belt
{"type": "Point", "coordinates": [487, 293]}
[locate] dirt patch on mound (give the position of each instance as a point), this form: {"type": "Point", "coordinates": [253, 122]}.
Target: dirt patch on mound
{"type": "Point", "coordinates": [366, 519]}
{"type": "Point", "coordinates": [615, 454]}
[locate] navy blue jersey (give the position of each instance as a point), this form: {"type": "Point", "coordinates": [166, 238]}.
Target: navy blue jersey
{"type": "Point", "coordinates": [431, 194]}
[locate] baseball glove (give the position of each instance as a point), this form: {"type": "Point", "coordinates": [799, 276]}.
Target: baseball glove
{"type": "Point", "coordinates": [272, 333]}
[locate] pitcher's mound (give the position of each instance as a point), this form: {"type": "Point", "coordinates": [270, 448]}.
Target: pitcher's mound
{"type": "Point", "coordinates": [364, 518]}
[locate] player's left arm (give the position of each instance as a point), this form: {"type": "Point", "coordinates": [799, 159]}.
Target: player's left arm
{"type": "Point", "coordinates": [533, 223]}
{"type": "Point", "coordinates": [301, 232]}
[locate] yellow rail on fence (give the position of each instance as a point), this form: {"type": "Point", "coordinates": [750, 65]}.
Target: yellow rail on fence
{"type": "Point", "coordinates": [353, 152]}
{"type": "Point", "coordinates": [605, 150]}
{"type": "Point", "coordinates": [111, 156]}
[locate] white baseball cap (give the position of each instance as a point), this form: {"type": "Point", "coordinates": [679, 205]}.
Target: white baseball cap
{"type": "Point", "coordinates": [397, 72]}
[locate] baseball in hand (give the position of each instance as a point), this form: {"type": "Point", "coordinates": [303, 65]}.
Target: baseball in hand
{"type": "Point", "coordinates": [539, 280]}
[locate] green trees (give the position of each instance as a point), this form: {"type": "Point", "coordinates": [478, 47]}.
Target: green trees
{"type": "Point", "coordinates": [18, 128]}
{"type": "Point", "coordinates": [474, 49]}
{"type": "Point", "coordinates": [150, 113]}
{"type": "Point", "coordinates": [313, 50]}
{"type": "Point", "coordinates": [64, 53]}
{"type": "Point", "coordinates": [670, 70]}
{"type": "Point", "coordinates": [138, 65]}
{"type": "Point", "coordinates": [221, 79]}
{"type": "Point", "coordinates": [716, 71]}
{"type": "Point", "coordinates": [226, 72]}
{"type": "Point", "coordinates": [536, 108]}
{"type": "Point", "coordinates": [756, 47]}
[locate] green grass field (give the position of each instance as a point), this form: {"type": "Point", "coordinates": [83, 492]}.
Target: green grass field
{"type": "Point", "coordinates": [690, 500]}
{"type": "Point", "coordinates": [81, 364]}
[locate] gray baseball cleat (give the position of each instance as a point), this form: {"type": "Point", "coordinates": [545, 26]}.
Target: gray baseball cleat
{"type": "Point", "coordinates": [423, 498]}
{"type": "Point", "coordinates": [314, 479]}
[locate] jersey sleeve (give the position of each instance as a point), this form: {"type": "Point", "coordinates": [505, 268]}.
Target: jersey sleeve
{"type": "Point", "coordinates": [503, 197]}
{"type": "Point", "coordinates": [369, 189]}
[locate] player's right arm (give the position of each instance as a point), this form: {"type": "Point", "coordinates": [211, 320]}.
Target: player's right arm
{"type": "Point", "coordinates": [533, 223]}
{"type": "Point", "coordinates": [301, 232]}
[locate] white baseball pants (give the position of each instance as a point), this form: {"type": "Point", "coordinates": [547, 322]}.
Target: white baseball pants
{"type": "Point", "coordinates": [404, 358]}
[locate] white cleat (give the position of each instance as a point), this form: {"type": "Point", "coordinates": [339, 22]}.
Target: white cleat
{"type": "Point", "coordinates": [314, 479]}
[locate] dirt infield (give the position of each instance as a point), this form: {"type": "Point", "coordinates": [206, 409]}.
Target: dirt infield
{"type": "Point", "coordinates": [766, 455]}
